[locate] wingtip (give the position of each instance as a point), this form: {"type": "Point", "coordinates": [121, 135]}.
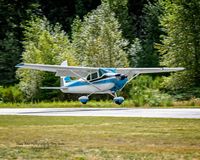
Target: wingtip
{"type": "Point", "coordinates": [181, 68]}
{"type": "Point", "coordinates": [19, 65]}
{"type": "Point", "coordinates": [175, 69]}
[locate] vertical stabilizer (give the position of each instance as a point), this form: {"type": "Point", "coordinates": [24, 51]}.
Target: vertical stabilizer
{"type": "Point", "coordinates": [64, 80]}
{"type": "Point", "coordinates": [64, 63]}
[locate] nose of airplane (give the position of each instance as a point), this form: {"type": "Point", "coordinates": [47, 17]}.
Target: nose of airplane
{"type": "Point", "coordinates": [123, 76]}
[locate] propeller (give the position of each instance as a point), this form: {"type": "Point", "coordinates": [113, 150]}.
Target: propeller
{"type": "Point", "coordinates": [121, 76]}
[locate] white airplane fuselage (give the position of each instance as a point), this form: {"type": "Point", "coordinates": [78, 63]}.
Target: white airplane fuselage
{"type": "Point", "coordinates": [105, 85]}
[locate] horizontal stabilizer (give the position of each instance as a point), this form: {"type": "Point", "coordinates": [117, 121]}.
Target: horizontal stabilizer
{"type": "Point", "coordinates": [53, 87]}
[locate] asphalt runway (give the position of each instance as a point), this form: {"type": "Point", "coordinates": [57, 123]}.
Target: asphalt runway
{"type": "Point", "coordinates": [106, 112]}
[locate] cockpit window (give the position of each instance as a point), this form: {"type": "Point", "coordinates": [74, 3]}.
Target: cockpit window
{"type": "Point", "coordinates": [92, 76]}
{"type": "Point", "coordinates": [88, 77]}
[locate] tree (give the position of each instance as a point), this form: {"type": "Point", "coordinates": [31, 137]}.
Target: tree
{"type": "Point", "coordinates": [66, 10]}
{"type": "Point", "coordinates": [121, 10]}
{"type": "Point", "coordinates": [149, 57]}
{"type": "Point", "coordinates": [135, 8]}
{"type": "Point", "coordinates": [12, 14]}
{"type": "Point", "coordinates": [9, 57]}
{"type": "Point", "coordinates": [146, 54]}
{"type": "Point", "coordinates": [181, 45]}
{"type": "Point", "coordinates": [46, 44]}
{"type": "Point", "coordinates": [98, 39]}
{"type": "Point", "coordinates": [135, 53]}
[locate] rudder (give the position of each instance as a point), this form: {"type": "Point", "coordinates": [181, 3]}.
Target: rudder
{"type": "Point", "coordinates": [64, 80]}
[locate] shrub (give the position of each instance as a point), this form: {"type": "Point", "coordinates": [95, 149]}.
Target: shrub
{"type": "Point", "coordinates": [11, 94]}
{"type": "Point", "coordinates": [145, 91]}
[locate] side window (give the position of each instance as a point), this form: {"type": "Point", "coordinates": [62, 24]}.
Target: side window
{"type": "Point", "coordinates": [94, 75]}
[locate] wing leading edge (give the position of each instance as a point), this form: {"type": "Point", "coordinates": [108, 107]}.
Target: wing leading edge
{"type": "Point", "coordinates": [133, 71]}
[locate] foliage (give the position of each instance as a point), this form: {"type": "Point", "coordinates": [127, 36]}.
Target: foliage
{"type": "Point", "coordinates": [149, 57]}
{"type": "Point", "coordinates": [98, 39]}
{"type": "Point", "coordinates": [190, 93]}
{"type": "Point", "coordinates": [145, 90]}
{"type": "Point", "coordinates": [12, 14]}
{"type": "Point", "coordinates": [194, 102]}
{"type": "Point", "coordinates": [11, 94]}
{"type": "Point", "coordinates": [135, 8]}
{"type": "Point", "coordinates": [135, 52]}
{"type": "Point", "coordinates": [65, 11]}
{"type": "Point", "coordinates": [142, 52]}
{"type": "Point", "coordinates": [180, 46]}
{"type": "Point", "coordinates": [9, 57]}
{"type": "Point", "coordinates": [121, 10]}
{"type": "Point", "coordinates": [46, 44]}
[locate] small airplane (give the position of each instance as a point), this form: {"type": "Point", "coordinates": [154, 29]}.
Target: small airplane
{"type": "Point", "coordinates": [93, 80]}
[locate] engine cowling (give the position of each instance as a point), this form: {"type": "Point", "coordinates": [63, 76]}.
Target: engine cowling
{"type": "Point", "coordinates": [83, 99]}
{"type": "Point", "coordinates": [118, 100]}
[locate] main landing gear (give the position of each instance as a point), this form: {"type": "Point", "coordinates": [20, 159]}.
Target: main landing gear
{"type": "Point", "coordinates": [117, 100]}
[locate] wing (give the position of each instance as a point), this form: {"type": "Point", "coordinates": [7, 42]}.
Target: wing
{"type": "Point", "coordinates": [134, 71]}
{"type": "Point", "coordinates": [72, 71]}
{"type": "Point", "coordinates": [75, 71]}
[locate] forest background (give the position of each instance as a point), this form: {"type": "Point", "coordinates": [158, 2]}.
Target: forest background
{"type": "Point", "coordinates": [105, 33]}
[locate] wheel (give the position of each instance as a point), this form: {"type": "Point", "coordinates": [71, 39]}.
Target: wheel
{"type": "Point", "coordinates": [118, 100]}
{"type": "Point", "coordinates": [83, 99]}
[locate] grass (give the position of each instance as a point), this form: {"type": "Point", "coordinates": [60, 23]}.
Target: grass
{"type": "Point", "coordinates": [93, 104]}
{"type": "Point", "coordinates": [66, 104]}
{"type": "Point", "coordinates": [94, 138]}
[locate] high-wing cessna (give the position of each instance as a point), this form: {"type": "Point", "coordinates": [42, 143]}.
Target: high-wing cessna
{"type": "Point", "coordinates": [92, 80]}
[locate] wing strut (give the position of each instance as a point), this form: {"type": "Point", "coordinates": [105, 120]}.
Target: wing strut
{"type": "Point", "coordinates": [86, 80]}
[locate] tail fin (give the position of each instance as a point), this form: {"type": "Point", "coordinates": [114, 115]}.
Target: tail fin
{"type": "Point", "coordinates": [64, 80]}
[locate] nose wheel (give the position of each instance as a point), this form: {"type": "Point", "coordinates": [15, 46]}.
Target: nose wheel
{"type": "Point", "coordinates": [118, 100]}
